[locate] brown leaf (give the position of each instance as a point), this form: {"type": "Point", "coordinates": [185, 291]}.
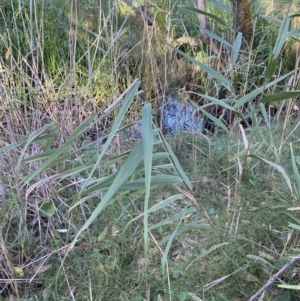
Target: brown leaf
{"type": "Point", "coordinates": [102, 235]}
{"type": "Point", "coordinates": [43, 269]}
{"type": "Point", "coordinates": [8, 52]}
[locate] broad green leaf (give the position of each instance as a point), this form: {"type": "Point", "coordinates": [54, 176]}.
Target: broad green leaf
{"type": "Point", "coordinates": [39, 156]}
{"type": "Point", "coordinates": [59, 177]}
{"type": "Point", "coordinates": [294, 32]}
{"type": "Point", "coordinates": [198, 11]}
{"type": "Point", "coordinates": [211, 72]}
{"type": "Point", "coordinates": [54, 133]}
{"type": "Point", "coordinates": [275, 21]}
{"type": "Point", "coordinates": [280, 96]}
{"type": "Point", "coordinates": [103, 183]}
{"type": "Point", "coordinates": [281, 37]}
{"type": "Point", "coordinates": [217, 121]}
{"type": "Point", "coordinates": [156, 181]}
{"type": "Point", "coordinates": [48, 209]}
{"type": "Point", "coordinates": [123, 175]}
{"type": "Point", "coordinates": [176, 163]}
{"type": "Point", "coordinates": [223, 104]}
{"type": "Point", "coordinates": [236, 48]}
{"type": "Point", "coordinates": [271, 68]}
{"type": "Point", "coordinates": [297, 227]}
{"type": "Point", "coordinates": [278, 168]}
{"type": "Point", "coordinates": [215, 37]}
{"type": "Point", "coordinates": [253, 94]}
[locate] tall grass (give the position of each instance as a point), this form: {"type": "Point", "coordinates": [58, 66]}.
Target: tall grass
{"type": "Point", "coordinates": [69, 69]}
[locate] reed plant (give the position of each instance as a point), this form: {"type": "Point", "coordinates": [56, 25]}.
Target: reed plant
{"type": "Point", "coordinates": [103, 216]}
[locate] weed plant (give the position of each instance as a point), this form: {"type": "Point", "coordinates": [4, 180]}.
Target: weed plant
{"type": "Point", "coordinates": [87, 214]}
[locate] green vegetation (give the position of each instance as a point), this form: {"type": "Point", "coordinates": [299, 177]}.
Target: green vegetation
{"type": "Point", "coordinates": [89, 212]}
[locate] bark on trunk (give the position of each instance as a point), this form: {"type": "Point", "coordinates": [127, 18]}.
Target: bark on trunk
{"type": "Point", "coordinates": [243, 21]}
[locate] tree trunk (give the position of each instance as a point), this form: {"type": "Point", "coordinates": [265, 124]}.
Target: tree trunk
{"type": "Point", "coordinates": [201, 18]}
{"type": "Point", "coordinates": [243, 21]}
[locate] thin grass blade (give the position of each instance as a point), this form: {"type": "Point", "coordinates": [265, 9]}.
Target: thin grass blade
{"type": "Point", "coordinates": [295, 170]}
{"type": "Point", "coordinates": [278, 168]}
{"type": "Point", "coordinates": [211, 72]}
{"type": "Point", "coordinates": [199, 11]}
{"type": "Point", "coordinates": [216, 120]}
{"type": "Point", "coordinates": [169, 243]}
{"type": "Point", "coordinates": [131, 91]}
{"type": "Point", "coordinates": [176, 163]}
{"type": "Point", "coordinates": [147, 138]}
{"type": "Point", "coordinates": [259, 90]}
{"type": "Point", "coordinates": [157, 207]}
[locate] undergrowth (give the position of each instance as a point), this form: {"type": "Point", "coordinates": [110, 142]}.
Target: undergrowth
{"type": "Point", "coordinates": [89, 212]}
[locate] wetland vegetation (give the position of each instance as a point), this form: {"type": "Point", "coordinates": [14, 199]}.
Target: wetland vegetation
{"type": "Point", "coordinates": [90, 211]}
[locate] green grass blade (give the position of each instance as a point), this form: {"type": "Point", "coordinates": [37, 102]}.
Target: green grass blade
{"type": "Point", "coordinates": [31, 138]}
{"type": "Point", "coordinates": [52, 160]}
{"type": "Point", "coordinates": [271, 68]}
{"type": "Point", "coordinates": [124, 174]}
{"type": "Point", "coordinates": [176, 163]}
{"type": "Point", "coordinates": [196, 225]}
{"type": "Point", "coordinates": [215, 37]}
{"type": "Point", "coordinates": [294, 32]}
{"type": "Point", "coordinates": [156, 181]}
{"type": "Point", "coordinates": [220, 6]}
{"type": "Point", "coordinates": [199, 11]}
{"type": "Point", "coordinates": [147, 138]}
{"type": "Point", "coordinates": [295, 170]}
{"type": "Point", "coordinates": [223, 104]}
{"type": "Point", "coordinates": [205, 253]}
{"type": "Point", "coordinates": [273, 20]}
{"type": "Point", "coordinates": [278, 168]}
{"type": "Point", "coordinates": [130, 93]}
{"type": "Point", "coordinates": [236, 48]}
{"type": "Point", "coordinates": [253, 94]}
{"type": "Point", "coordinates": [280, 96]}
{"type": "Point", "coordinates": [294, 226]}
{"type": "Point", "coordinates": [170, 221]}
{"type": "Point", "coordinates": [217, 121]}
{"type": "Point", "coordinates": [289, 286]}
{"type": "Point", "coordinates": [281, 37]}
{"type": "Point", "coordinates": [169, 243]}
{"type": "Point", "coordinates": [157, 207]}
{"type": "Point", "coordinates": [265, 115]}
{"type": "Point", "coordinates": [210, 71]}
